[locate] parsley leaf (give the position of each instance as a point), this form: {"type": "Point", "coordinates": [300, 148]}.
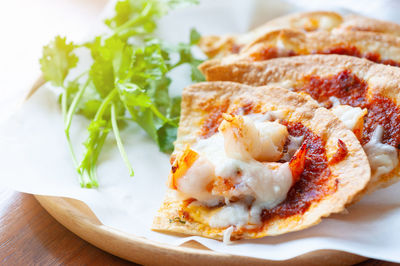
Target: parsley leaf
{"type": "Point", "coordinates": [58, 58]}
{"type": "Point", "coordinates": [194, 37]}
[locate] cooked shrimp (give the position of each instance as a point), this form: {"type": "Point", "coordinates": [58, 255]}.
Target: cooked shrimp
{"type": "Point", "coordinates": [192, 174]}
{"type": "Point", "coordinates": [238, 163]}
{"type": "Point", "coordinates": [245, 139]}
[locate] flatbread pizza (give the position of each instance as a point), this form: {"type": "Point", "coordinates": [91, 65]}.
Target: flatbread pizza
{"type": "Point", "coordinates": [256, 161]}
{"type": "Point", "coordinates": [219, 46]}
{"type": "Point", "coordinates": [364, 95]}
{"type": "Point", "coordinates": [379, 48]}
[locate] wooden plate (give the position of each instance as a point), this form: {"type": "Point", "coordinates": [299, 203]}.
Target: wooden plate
{"type": "Point", "coordinates": [78, 218]}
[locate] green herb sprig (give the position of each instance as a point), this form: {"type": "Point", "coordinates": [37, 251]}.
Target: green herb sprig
{"type": "Point", "coordinates": [125, 83]}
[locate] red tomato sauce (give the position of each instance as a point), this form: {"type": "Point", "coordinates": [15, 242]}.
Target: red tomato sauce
{"type": "Point", "coordinates": [351, 90]}
{"type": "Point", "coordinates": [271, 52]}
{"type": "Point", "coordinates": [343, 50]}
{"type": "Point", "coordinates": [314, 182]}
{"type": "Point", "coordinates": [274, 52]}
{"type": "Point", "coordinates": [211, 123]}
{"type": "Point", "coordinates": [382, 111]}
{"type": "Point", "coordinates": [353, 51]}
{"type": "Point", "coordinates": [345, 86]}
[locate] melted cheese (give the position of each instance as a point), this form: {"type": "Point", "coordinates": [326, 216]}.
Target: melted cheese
{"type": "Point", "coordinates": [270, 190]}
{"type": "Point", "coordinates": [350, 116]}
{"type": "Point", "coordinates": [259, 184]}
{"type": "Point", "coordinates": [335, 101]}
{"type": "Point", "coordinates": [326, 23]}
{"type": "Point", "coordinates": [382, 157]}
{"type": "Point", "coordinates": [234, 214]}
{"type": "Point", "coordinates": [227, 235]}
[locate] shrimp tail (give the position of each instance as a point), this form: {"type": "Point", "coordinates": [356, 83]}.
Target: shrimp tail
{"type": "Point", "coordinates": [297, 163]}
{"type": "Point", "coordinates": [180, 165]}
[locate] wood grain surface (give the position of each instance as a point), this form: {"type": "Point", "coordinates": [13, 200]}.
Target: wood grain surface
{"type": "Point", "coordinates": [30, 236]}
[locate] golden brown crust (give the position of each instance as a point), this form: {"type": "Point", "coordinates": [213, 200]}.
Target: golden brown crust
{"type": "Point", "coordinates": [360, 23]}
{"type": "Point", "coordinates": [288, 42]}
{"type": "Point", "coordinates": [218, 46]}
{"type": "Point", "coordinates": [353, 172]}
{"type": "Point", "coordinates": [381, 79]}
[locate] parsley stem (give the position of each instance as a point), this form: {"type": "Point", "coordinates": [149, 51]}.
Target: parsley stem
{"type": "Point", "coordinates": [99, 146]}
{"type": "Point", "coordinates": [64, 98]}
{"type": "Point", "coordinates": [85, 180]}
{"type": "Point", "coordinates": [76, 79]}
{"type": "Point", "coordinates": [71, 150]}
{"type": "Point", "coordinates": [87, 168]}
{"type": "Point", "coordinates": [74, 105]}
{"type": "Point", "coordinates": [93, 154]}
{"type": "Point", "coordinates": [158, 113]}
{"type": "Point", "coordinates": [68, 118]}
{"type": "Point", "coordinates": [104, 104]}
{"type": "Point", "coordinates": [119, 141]}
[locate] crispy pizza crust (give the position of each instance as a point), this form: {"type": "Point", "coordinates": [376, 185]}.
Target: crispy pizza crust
{"type": "Point", "coordinates": [353, 173]}
{"type": "Point", "coordinates": [289, 42]}
{"type": "Point", "coordinates": [381, 79]}
{"type": "Point", "coordinates": [219, 46]}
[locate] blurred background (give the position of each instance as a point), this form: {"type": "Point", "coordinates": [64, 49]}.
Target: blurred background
{"type": "Point", "coordinates": [26, 25]}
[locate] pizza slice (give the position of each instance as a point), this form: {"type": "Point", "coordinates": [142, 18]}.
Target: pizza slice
{"type": "Point", "coordinates": [379, 48]}
{"type": "Point", "coordinates": [364, 95]}
{"type": "Point", "coordinates": [256, 161]}
{"type": "Point", "coordinates": [219, 46]}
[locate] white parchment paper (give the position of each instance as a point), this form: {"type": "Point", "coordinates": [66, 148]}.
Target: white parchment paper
{"type": "Point", "coordinates": [34, 157]}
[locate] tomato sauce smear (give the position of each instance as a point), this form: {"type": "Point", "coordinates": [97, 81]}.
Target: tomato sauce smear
{"type": "Point", "coordinates": [274, 52]}
{"type": "Point", "coordinates": [354, 51]}
{"type": "Point", "coordinates": [315, 181]}
{"type": "Point", "coordinates": [212, 121]}
{"type": "Point", "coordinates": [345, 86]}
{"type": "Point", "coordinates": [351, 90]}
{"type": "Point", "coordinates": [270, 53]}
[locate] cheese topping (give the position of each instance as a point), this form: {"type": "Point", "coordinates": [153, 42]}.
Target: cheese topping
{"type": "Point", "coordinates": [242, 154]}
{"type": "Point", "coordinates": [382, 157]}
{"type": "Point", "coordinates": [234, 214]}
{"type": "Point", "coordinates": [227, 235]}
{"type": "Point", "coordinates": [350, 116]}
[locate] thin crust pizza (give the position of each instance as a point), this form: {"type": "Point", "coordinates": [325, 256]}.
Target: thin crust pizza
{"type": "Point", "coordinates": [256, 161]}
{"type": "Point", "coordinates": [379, 48]}
{"type": "Point", "coordinates": [364, 95]}
{"type": "Point", "coordinates": [219, 46]}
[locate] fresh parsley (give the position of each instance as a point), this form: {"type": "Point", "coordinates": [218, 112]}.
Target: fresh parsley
{"type": "Point", "coordinates": [125, 83]}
